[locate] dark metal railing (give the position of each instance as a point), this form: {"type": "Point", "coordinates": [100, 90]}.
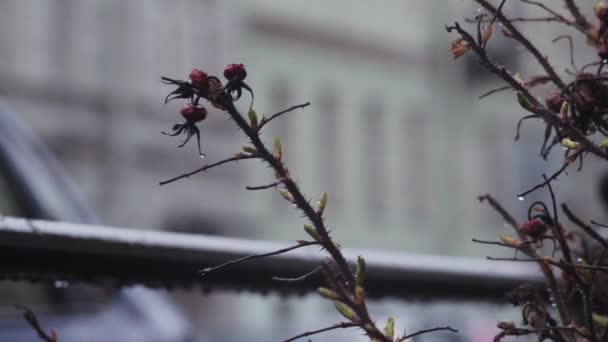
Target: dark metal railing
{"type": "Point", "coordinates": [37, 250]}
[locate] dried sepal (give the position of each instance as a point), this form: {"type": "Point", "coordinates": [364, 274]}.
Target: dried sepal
{"type": "Point", "coordinates": [487, 33]}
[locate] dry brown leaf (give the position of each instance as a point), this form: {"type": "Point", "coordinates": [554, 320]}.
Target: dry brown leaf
{"type": "Point", "coordinates": [459, 47]}
{"type": "Point", "coordinates": [487, 33]}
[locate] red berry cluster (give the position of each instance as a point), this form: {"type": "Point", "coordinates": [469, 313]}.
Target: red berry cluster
{"type": "Point", "coordinates": [199, 86]}
{"type": "Point", "coordinates": [534, 228]}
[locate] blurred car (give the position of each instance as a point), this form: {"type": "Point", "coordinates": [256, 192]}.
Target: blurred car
{"type": "Point", "coordinates": [33, 184]}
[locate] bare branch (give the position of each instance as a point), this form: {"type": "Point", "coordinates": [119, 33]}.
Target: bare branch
{"type": "Point", "coordinates": [517, 35]}
{"type": "Point", "coordinates": [581, 21]}
{"type": "Point", "coordinates": [585, 227]}
{"type": "Point", "coordinates": [496, 243]}
{"type": "Point", "coordinates": [426, 331]}
{"type": "Point", "coordinates": [547, 115]}
{"type": "Point", "coordinates": [31, 318]}
{"type": "Point", "coordinates": [301, 278]}
{"type": "Point", "coordinates": [263, 187]}
{"type": "Point", "coordinates": [343, 325]}
{"type": "Point", "coordinates": [264, 120]}
{"type": "Point", "coordinates": [257, 256]}
{"type": "Point", "coordinates": [209, 166]}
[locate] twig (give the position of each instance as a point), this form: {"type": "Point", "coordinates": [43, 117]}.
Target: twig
{"type": "Point", "coordinates": [555, 15]}
{"type": "Point", "coordinates": [301, 278]}
{"type": "Point", "coordinates": [316, 218]}
{"type": "Point", "coordinates": [546, 182]}
{"type": "Point", "coordinates": [496, 243]}
{"type": "Point", "coordinates": [31, 318]}
{"type": "Point", "coordinates": [493, 91]}
{"type": "Point", "coordinates": [560, 264]}
{"type": "Point", "coordinates": [548, 274]}
{"type": "Point", "coordinates": [585, 227]}
{"type": "Point", "coordinates": [263, 187]}
{"type": "Point", "coordinates": [343, 325]}
{"type": "Point", "coordinates": [427, 331]}
{"type": "Point", "coordinates": [599, 224]}
{"type": "Point", "coordinates": [576, 13]}
{"type": "Point", "coordinates": [207, 167]}
{"type": "Point", "coordinates": [257, 256]}
{"type": "Point", "coordinates": [517, 35]}
{"type": "Point", "coordinates": [571, 46]}
{"type": "Point", "coordinates": [264, 120]}
{"type": "Point", "coordinates": [540, 109]}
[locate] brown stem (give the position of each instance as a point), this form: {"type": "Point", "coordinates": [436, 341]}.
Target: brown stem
{"type": "Point", "coordinates": [207, 167]}
{"type": "Point", "coordinates": [576, 13]}
{"type": "Point", "coordinates": [31, 318]}
{"type": "Point", "coordinates": [427, 331]}
{"type": "Point", "coordinates": [274, 116]}
{"type": "Point", "coordinates": [560, 302]}
{"type": "Point", "coordinates": [517, 35]}
{"type": "Point", "coordinates": [310, 213]}
{"type": "Point", "coordinates": [540, 109]}
{"type": "Point", "coordinates": [343, 325]}
{"type": "Point", "coordinates": [257, 256]}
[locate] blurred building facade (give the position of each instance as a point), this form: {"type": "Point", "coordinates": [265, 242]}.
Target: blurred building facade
{"type": "Point", "coordinates": [394, 133]}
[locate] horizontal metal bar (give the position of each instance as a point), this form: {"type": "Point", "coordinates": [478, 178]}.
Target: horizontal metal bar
{"type": "Point", "coordinates": [38, 250]}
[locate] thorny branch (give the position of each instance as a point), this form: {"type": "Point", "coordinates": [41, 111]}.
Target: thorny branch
{"type": "Point", "coordinates": [31, 318]}
{"type": "Point", "coordinates": [346, 288]}
{"type": "Point", "coordinates": [539, 109]}
{"type": "Point", "coordinates": [343, 325]}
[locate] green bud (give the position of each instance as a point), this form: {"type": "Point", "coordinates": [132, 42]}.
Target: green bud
{"type": "Point", "coordinates": [525, 103]}
{"type": "Point", "coordinates": [286, 195]}
{"type": "Point", "coordinates": [566, 142]}
{"type": "Point", "coordinates": [250, 149]}
{"type": "Point", "coordinates": [360, 271]}
{"type": "Point", "coordinates": [312, 232]}
{"type": "Point", "coordinates": [563, 112]}
{"type": "Point", "coordinates": [328, 294]}
{"type": "Point", "coordinates": [600, 320]}
{"type": "Point", "coordinates": [345, 311]}
{"type": "Point", "coordinates": [389, 329]}
{"type": "Point", "coordinates": [253, 117]}
{"type": "Point", "coordinates": [510, 241]}
{"type": "Point", "coordinates": [277, 151]}
{"type": "Point", "coordinates": [359, 294]}
{"type": "Point", "coordinates": [517, 77]}
{"type": "Point", "coordinates": [604, 143]}
{"type": "Point", "coordinates": [322, 203]}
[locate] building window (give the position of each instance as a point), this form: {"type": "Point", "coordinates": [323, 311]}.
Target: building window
{"type": "Point", "coordinates": [328, 146]}
{"type": "Point", "coordinates": [415, 164]}
{"type": "Point", "coordinates": [373, 159]}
